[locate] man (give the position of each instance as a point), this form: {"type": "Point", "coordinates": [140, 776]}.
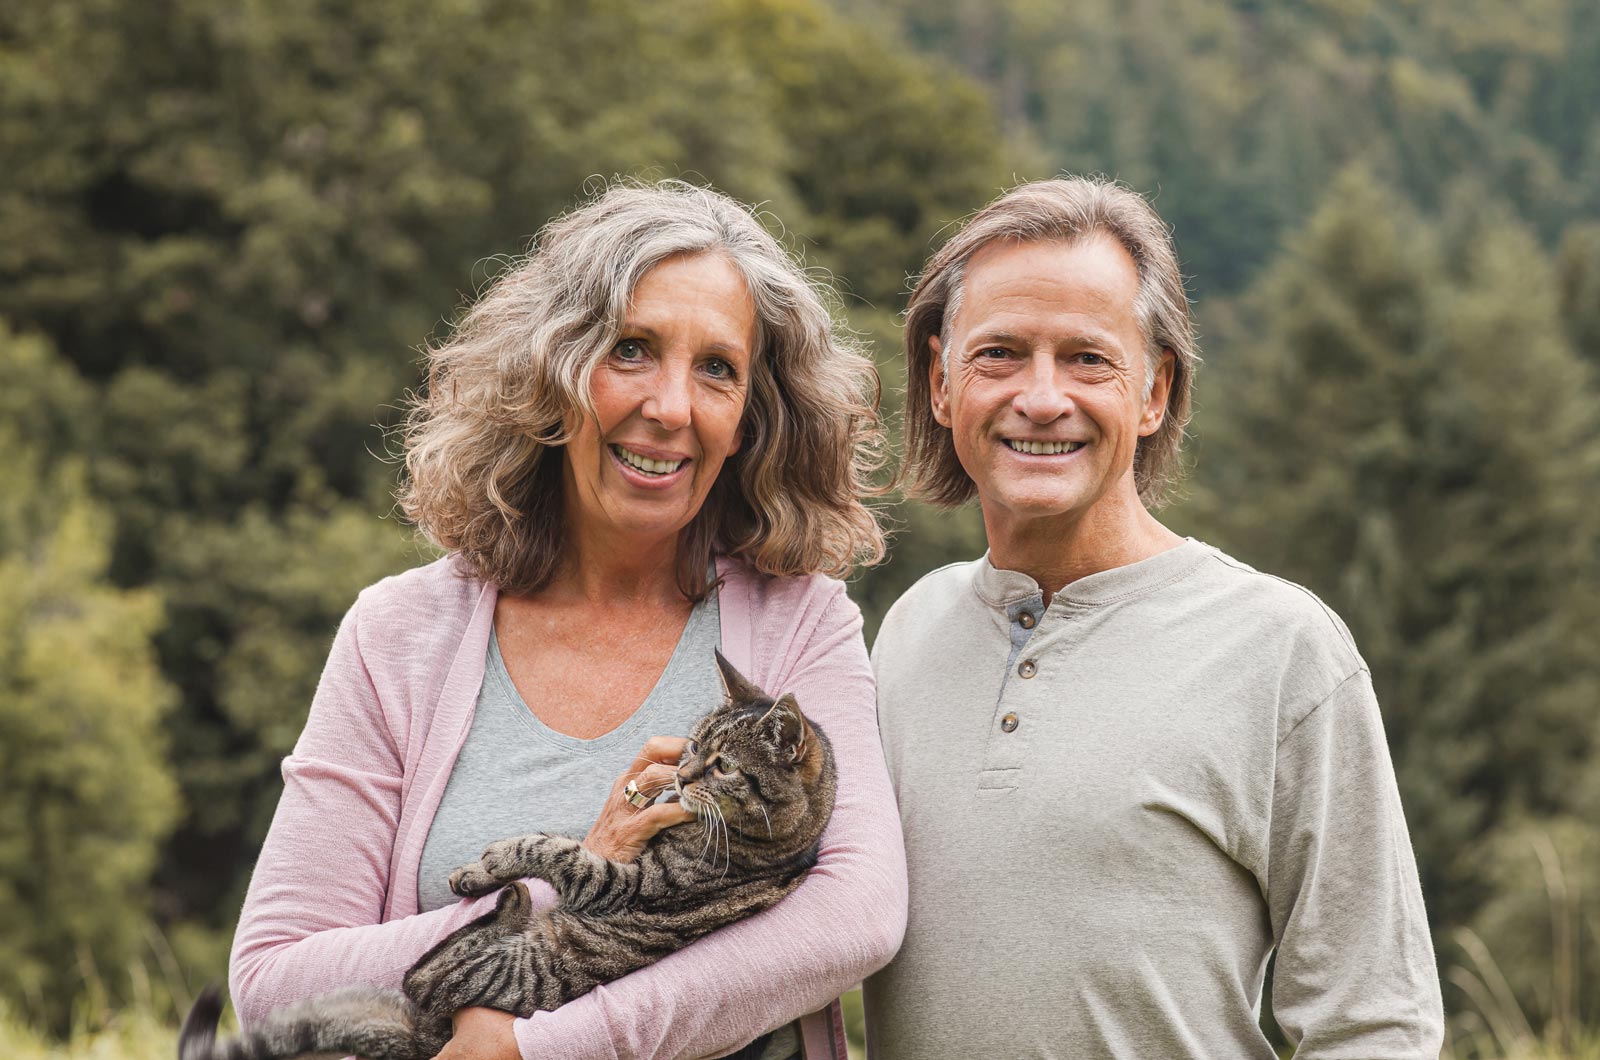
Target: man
{"type": "Point", "coordinates": [1129, 767]}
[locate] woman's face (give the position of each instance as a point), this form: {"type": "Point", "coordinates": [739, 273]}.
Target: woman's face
{"type": "Point", "coordinates": [668, 399]}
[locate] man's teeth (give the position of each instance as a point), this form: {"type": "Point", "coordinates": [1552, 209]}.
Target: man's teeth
{"type": "Point", "coordinates": [644, 463]}
{"type": "Point", "coordinates": [1044, 448]}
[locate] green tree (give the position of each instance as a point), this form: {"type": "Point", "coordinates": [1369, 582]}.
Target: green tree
{"type": "Point", "coordinates": [87, 793]}
{"type": "Point", "coordinates": [1395, 418]}
{"type": "Point", "coordinates": [238, 223]}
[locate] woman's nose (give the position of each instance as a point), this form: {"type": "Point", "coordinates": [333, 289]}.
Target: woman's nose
{"type": "Point", "coordinates": [671, 405]}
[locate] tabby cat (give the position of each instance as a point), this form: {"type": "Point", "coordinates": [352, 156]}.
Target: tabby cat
{"type": "Point", "coordinates": [759, 779]}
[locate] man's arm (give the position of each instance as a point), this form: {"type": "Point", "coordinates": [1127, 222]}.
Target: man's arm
{"type": "Point", "coordinates": [1355, 973]}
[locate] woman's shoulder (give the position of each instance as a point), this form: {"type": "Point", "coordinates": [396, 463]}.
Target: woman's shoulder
{"type": "Point", "coordinates": [792, 594]}
{"type": "Point", "coordinates": [436, 599]}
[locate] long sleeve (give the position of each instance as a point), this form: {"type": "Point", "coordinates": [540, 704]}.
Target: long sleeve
{"type": "Point", "coordinates": [844, 922]}
{"type": "Point", "coordinates": [311, 919]}
{"type": "Point", "coordinates": [1355, 974]}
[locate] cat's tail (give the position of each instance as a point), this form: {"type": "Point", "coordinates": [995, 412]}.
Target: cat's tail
{"type": "Point", "coordinates": [374, 1024]}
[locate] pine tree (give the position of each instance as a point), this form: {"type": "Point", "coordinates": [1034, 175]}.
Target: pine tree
{"type": "Point", "coordinates": [1394, 418]}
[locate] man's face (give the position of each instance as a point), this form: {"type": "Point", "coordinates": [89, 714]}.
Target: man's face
{"type": "Point", "coordinates": [1046, 391]}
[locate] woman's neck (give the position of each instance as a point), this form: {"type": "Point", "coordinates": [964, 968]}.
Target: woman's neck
{"type": "Point", "coordinates": [612, 573]}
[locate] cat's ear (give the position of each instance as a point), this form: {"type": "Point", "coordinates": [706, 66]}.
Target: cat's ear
{"type": "Point", "coordinates": [740, 689]}
{"type": "Point", "coordinates": [788, 728]}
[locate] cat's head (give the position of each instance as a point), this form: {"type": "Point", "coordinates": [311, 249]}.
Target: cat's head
{"type": "Point", "coordinates": [760, 763]}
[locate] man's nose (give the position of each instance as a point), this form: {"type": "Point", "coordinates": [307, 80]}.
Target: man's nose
{"type": "Point", "coordinates": [671, 406]}
{"type": "Point", "coordinates": [1043, 397]}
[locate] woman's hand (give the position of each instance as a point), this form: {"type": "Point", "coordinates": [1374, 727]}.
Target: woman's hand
{"type": "Point", "coordinates": [481, 1034]}
{"type": "Point", "coordinates": [623, 829]}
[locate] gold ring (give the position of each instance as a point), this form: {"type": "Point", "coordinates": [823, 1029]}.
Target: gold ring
{"type": "Point", "coordinates": [632, 793]}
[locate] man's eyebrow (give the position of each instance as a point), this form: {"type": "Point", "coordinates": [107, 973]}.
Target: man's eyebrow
{"type": "Point", "coordinates": [995, 338]}
{"type": "Point", "coordinates": [1089, 340]}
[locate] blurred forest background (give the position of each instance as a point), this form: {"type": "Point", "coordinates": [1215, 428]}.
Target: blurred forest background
{"type": "Point", "coordinates": [225, 229]}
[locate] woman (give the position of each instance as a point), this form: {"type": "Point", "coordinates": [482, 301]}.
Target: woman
{"type": "Point", "coordinates": [644, 441]}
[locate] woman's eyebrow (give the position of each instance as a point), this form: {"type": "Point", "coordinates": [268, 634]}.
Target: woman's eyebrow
{"type": "Point", "coordinates": [645, 331]}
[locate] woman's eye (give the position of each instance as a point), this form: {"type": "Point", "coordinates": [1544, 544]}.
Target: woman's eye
{"type": "Point", "coordinates": [717, 368]}
{"type": "Point", "coordinates": [629, 350]}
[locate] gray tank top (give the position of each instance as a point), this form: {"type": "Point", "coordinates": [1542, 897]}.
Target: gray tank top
{"type": "Point", "coordinates": [517, 775]}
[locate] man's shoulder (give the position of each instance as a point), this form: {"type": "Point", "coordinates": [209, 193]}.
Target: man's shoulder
{"type": "Point", "coordinates": [927, 604]}
{"type": "Point", "coordinates": [1274, 600]}
{"type": "Point", "coordinates": [1277, 617]}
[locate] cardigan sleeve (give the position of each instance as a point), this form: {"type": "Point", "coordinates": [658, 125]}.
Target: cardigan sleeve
{"type": "Point", "coordinates": [843, 923]}
{"type": "Point", "coordinates": [311, 917]}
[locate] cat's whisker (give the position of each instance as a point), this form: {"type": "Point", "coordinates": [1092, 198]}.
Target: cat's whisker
{"type": "Point", "coordinates": [769, 820]}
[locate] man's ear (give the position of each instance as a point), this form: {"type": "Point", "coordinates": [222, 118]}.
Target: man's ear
{"type": "Point", "coordinates": [938, 385]}
{"type": "Point", "coordinates": [1155, 403]}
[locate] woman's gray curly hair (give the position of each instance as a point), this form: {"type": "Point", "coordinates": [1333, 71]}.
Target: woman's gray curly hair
{"type": "Point", "coordinates": [1066, 209]}
{"type": "Point", "coordinates": [508, 386]}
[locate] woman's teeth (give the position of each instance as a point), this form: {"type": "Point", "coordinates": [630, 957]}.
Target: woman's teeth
{"type": "Point", "coordinates": [644, 463]}
{"type": "Point", "coordinates": [1044, 448]}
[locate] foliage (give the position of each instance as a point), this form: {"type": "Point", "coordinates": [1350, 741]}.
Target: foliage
{"type": "Point", "coordinates": [1236, 112]}
{"type": "Point", "coordinates": [1400, 423]}
{"type": "Point", "coordinates": [237, 222]}
{"type": "Point", "coordinates": [83, 775]}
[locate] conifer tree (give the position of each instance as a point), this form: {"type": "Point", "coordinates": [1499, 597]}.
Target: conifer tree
{"type": "Point", "coordinates": [1394, 418]}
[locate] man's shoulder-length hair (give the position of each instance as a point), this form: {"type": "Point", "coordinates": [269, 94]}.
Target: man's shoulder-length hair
{"type": "Point", "coordinates": [1067, 209]}
{"type": "Point", "coordinates": [509, 385]}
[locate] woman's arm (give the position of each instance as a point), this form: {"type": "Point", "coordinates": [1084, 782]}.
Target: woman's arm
{"type": "Point", "coordinates": [843, 923]}
{"type": "Point", "coordinates": [310, 921]}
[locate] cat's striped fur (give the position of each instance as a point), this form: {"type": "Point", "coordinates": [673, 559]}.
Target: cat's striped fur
{"type": "Point", "coordinates": [759, 778]}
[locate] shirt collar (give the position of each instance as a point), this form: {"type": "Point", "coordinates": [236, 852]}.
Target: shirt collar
{"type": "Point", "coordinates": [1001, 588]}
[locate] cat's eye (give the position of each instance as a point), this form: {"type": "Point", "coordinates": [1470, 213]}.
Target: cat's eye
{"type": "Point", "coordinates": [724, 768]}
{"type": "Point", "coordinates": [693, 748]}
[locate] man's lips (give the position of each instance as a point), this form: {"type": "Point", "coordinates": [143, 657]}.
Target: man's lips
{"type": "Point", "coordinates": [1040, 447]}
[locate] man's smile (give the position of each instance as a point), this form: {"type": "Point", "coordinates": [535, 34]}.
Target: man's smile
{"type": "Point", "coordinates": [1038, 448]}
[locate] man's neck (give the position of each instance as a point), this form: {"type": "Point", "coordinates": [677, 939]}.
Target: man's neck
{"type": "Point", "coordinates": [1055, 552]}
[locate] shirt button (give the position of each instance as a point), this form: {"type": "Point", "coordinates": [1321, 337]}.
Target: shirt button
{"type": "Point", "coordinates": [1026, 620]}
{"type": "Point", "coordinates": [1027, 669]}
{"type": "Point", "coordinates": [1008, 723]}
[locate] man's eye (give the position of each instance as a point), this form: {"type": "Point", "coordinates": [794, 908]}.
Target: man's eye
{"type": "Point", "coordinates": [993, 353]}
{"type": "Point", "coordinates": [1091, 358]}
{"type": "Point", "coordinates": [629, 350]}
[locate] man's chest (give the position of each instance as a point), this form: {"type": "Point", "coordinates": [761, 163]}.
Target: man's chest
{"type": "Point", "coordinates": [1080, 741]}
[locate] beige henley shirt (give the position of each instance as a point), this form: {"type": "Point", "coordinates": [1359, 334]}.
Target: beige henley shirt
{"type": "Point", "coordinates": [1116, 807]}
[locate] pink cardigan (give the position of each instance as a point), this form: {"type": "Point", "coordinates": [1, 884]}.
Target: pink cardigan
{"type": "Point", "coordinates": [333, 900]}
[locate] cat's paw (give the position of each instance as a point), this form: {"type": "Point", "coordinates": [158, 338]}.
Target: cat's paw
{"type": "Point", "coordinates": [471, 881]}
{"type": "Point", "coordinates": [503, 858]}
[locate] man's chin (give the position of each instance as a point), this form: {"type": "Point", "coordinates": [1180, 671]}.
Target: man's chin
{"type": "Point", "coordinates": [1030, 505]}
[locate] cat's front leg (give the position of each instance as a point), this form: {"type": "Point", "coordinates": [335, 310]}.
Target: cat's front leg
{"type": "Point", "coordinates": [583, 879]}
{"type": "Point", "coordinates": [503, 860]}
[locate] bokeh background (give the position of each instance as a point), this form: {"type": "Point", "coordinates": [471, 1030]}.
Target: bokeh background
{"type": "Point", "coordinates": [226, 228]}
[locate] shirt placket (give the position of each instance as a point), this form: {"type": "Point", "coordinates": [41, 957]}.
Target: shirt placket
{"type": "Point", "coordinates": [1007, 736]}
